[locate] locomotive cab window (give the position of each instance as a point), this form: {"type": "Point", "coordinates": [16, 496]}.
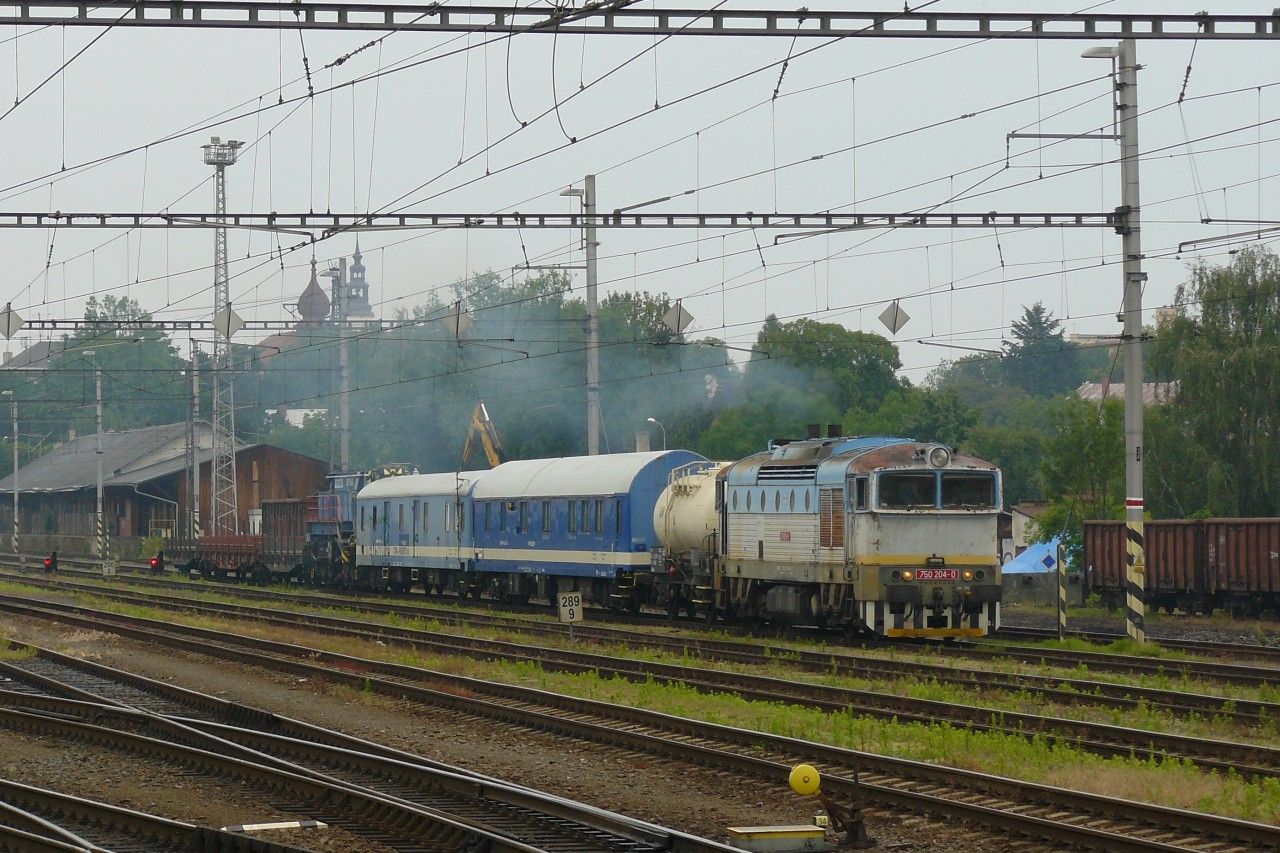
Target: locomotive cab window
{"type": "Point", "coordinates": [968, 490]}
{"type": "Point", "coordinates": [909, 490]}
{"type": "Point", "coordinates": [861, 499]}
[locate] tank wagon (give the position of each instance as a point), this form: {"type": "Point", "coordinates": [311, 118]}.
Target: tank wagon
{"type": "Point", "coordinates": [876, 534]}
{"type": "Point", "coordinates": [1196, 566]}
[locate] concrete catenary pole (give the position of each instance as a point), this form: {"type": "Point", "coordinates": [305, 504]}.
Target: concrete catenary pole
{"type": "Point", "coordinates": [593, 321]}
{"type": "Point", "coordinates": [104, 551]}
{"type": "Point", "coordinates": [344, 370]}
{"type": "Point", "coordinates": [13, 544]}
{"type": "Point", "coordinates": [195, 446]}
{"type": "Point", "coordinates": [1134, 279]}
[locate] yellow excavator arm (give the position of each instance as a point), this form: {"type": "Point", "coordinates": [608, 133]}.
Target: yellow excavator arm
{"type": "Point", "coordinates": [484, 433]}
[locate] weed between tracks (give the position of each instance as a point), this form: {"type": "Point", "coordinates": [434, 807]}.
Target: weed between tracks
{"type": "Point", "coordinates": [11, 651]}
{"type": "Point", "coordinates": [1039, 759]}
{"type": "Point", "coordinates": [781, 665]}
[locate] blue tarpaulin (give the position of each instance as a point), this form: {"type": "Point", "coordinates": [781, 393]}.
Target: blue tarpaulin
{"type": "Point", "coordinates": [1038, 558]}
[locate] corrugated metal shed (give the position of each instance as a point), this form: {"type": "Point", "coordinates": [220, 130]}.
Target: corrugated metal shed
{"type": "Point", "coordinates": [610, 474]}
{"type": "Point", "coordinates": [421, 485]}
{"type": "Point", "coordinates": [129, 458]}
{"type": "Point", "coordinates": [1153, 393]}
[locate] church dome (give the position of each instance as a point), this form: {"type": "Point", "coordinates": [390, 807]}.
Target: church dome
{"type": "Point", "coordinates": [313, 304]}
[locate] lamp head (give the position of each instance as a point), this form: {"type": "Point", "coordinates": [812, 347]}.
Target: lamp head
{"type": "Point", "coordinates": [1100, 53]}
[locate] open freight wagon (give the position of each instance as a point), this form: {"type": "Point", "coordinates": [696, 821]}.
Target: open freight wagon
{"type": "Point", "coordinates": [1192, 566]}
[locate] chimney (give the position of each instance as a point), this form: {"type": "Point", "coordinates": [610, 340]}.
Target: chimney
{"type": "Point", "coordinates": [813, 431]}
{"type": "Point", "coordinates": [834, 431]}
{"type": "Point", "coordinates": [642, 441]}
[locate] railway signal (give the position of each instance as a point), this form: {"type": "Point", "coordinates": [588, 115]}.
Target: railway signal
{"type": "Point", "coordinates": [157, 562]}
{"type": "Point", "coordinates": [51, 562]}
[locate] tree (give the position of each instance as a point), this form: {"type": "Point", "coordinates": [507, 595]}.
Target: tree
{"type": "Point", "coordinates": [1039, 359]}
{"type": "Point", "coordinates": [918, 413]}
{"type": "Point", "coordinates": [1223, 346]}
{"type": "Point", "coordinates": [1082, 469]}
{"type": "Point", "coordinates": [850, 369]}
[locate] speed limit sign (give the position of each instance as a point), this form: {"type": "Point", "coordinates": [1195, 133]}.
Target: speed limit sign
{"type": "Point", "coordinates": [570, 607]}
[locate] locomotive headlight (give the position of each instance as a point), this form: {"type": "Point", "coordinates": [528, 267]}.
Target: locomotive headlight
{"type": "Point", "coordinates": [897, 575]}
{"type": "Point", "coordinates": [939, 456]}
{"type": "Point", "coordinates": [908, 575]}
{"type": "Point", "coordinates": [981, 574]}
{"type": "Point", "coordinates": [967, 574]}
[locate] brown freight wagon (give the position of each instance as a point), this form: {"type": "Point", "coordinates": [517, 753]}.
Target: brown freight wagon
{"type": "Point", "coordinates": [1175, 572]}
{"type": "Point", "coordinates": [1242, 557]}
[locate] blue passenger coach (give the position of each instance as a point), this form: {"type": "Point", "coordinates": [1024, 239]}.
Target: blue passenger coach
{"type": "Point", "coordinates": [579, 522]}
{"type": "Point", "coordinates": [416, 529]}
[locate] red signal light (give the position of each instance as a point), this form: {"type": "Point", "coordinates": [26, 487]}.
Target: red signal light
{"type": "Point", "coordinates": [48, 561]}
{"type": "Point", "coordinates": [155, 562]}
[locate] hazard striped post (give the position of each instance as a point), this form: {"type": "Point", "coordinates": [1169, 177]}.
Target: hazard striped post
{"type": "Point", "coordinates": [1062, 593]}
{"type": "Point", "coordinates": [1135, 598]}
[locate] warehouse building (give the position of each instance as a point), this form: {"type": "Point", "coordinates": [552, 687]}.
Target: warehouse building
{"type": "Point", "coordinates": [145, 485]}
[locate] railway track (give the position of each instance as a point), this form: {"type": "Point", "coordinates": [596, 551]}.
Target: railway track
{"type": "Point", "coordinates": [1249, 760]}
{"type": "Point", "coordinates": [1062, 689]}
{"type": "Point", "coordinates": [470, 812]}
{"type": "Point", "coordinates": [1213, 648]}
{"type": "Point", "coordinates": [1061, 817]}
{"type": "Point", "coordinates": [1094, 661]}
{"type": "Point", "coordinates": [35, 819]}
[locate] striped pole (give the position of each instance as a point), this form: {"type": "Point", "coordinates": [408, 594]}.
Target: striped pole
{"type": "Point", "coordinates": [1135, 599]}
{"type": "Point", "coordinates": [1062, 593]}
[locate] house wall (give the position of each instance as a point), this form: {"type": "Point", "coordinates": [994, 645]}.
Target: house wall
{"type": "Point", "coordinates": [263, 473]}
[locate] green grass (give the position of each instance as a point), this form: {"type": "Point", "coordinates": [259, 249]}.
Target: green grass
{"type": "Point", "coordinates": [10, 651]}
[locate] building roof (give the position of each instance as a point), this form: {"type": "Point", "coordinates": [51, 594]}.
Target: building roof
{"type": "Point", "coordinates": [1153, 393]}
{"type": "Point", "coordinates": [609, 474]}
{"type": "Point", "coordinates": [35, 357]}
{"type": "Point", "coordinates": [129, 458]}
{"type": "Point", "coordinates": [1031, 509]}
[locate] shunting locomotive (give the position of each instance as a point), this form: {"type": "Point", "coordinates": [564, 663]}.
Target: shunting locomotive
{"type": "Point", "coordinates": [875, 534]}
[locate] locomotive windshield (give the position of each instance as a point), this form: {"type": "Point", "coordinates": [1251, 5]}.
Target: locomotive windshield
{"type": "Point", "coordinates": [909, 490]}
{"type": "Point", "coordinates": [968, 490]}
{"type": "Point", "coordinates": [937, 490]}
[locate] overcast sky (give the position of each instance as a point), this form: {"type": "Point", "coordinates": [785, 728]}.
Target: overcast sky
{"type": "Point", "coordinates": [395, 143]}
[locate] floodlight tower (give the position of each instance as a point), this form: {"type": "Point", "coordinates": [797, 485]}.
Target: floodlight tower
{"type": "Point", "coordinates": [225, 508]}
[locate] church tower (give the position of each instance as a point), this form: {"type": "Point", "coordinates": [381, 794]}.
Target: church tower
{"type": "Point", "coordinates": [358, 307]}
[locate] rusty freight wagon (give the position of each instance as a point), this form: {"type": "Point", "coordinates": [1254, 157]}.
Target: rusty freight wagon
{"type": "Point", "coordinates": [1176, 575]}
{"type": "Point", "coordinates": [1242, 560]}
{"type": "Point", "coordinates": [274, 555]}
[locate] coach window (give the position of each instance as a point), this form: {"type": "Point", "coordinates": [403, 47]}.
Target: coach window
{"type": "Point", "coordinates": [426, 512]}
{"type": "Point", "coordinates": [460, 516]}
{"type": "Point", "coordinates": [861, 499]}
{"type": "Point", "coordinates": [361, 517]}
{"type": "Point", "coordinates": [375, 516]}
{"type": "Point", "coordinates": [524, 518]}
{"type": "Point", "coordinates": [599, 516]}
{"type": "Point", "coordinates": [585, 521]}
{"type": "Point", "coordinates": [502, 517]}
{"type": "Point", "coordinates": [487, 525]}
{"type": "Point", "coordinates": [400, 521]}
{"type": "Point", "coordinates": [546, 516]}
{"type": "Point", "coordinates": [573, 516]}
{"type": "Point", "coordinates": [617, 518]}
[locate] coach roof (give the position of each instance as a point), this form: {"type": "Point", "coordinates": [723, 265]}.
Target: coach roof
{"type": "Point", "coordinates": [610, 474]}
{"type": "Point", "coordinates": [420, 485]}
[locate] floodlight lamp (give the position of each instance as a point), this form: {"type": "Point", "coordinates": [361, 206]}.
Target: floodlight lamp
{"type": "Point", "coordinates": [1100, 53]}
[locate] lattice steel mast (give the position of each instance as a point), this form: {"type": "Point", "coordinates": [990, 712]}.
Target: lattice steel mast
{"type": "Point", "coordinates": [225, 509]}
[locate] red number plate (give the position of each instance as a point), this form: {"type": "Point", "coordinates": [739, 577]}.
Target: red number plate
{"type": "Point", "coordinates": [938, 575]}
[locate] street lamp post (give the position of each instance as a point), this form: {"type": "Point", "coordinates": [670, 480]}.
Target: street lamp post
{"type": "Point", "coordinates": [661, 427]}
{"type": "Point", "coordinates": [13, 543]}
{"type": "Point", "coordinates": [103, 550]}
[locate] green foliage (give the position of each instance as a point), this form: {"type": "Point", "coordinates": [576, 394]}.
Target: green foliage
{"type": "Point", "coordinates": [1082, 470]}
{"type": "Point", "coordinates": [852, 370]}
{"type": "Point", "coordinates": [1223, 346]}
{"type": "Point", "coordinates": [150, 546]}
{"type": "Point", "coordinates": [920, 413]}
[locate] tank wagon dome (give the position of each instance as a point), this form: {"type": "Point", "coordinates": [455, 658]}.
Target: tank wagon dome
{"type": "Point", "coordinates": [414, 485]}
{"type": "Point", "coordinates": [610, 474]}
